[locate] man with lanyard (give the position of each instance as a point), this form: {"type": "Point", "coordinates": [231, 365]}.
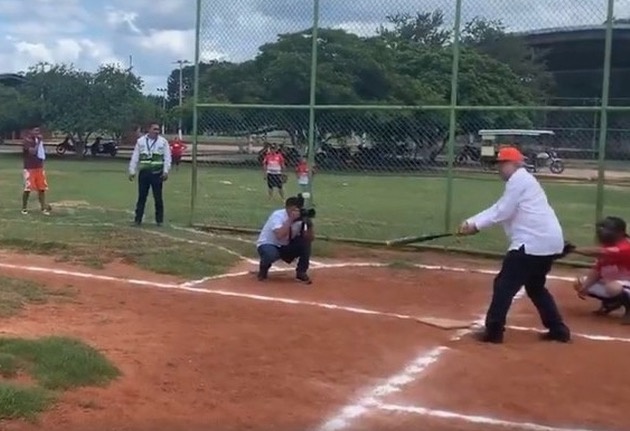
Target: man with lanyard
{"type": "Point", "coordinates": [153, 154]}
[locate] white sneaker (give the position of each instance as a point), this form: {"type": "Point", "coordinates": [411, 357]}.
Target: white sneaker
{"type": "Point", "coordinates": [24, 212]}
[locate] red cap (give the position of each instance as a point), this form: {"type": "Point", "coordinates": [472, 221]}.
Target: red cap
{"type": "Point", "coordinates": [510, 154]}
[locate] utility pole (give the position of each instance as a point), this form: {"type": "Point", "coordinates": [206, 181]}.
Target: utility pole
{"type": "Point", "coordinates": [164, 92]}
{"type": "Point", "coordinates": [181, 64]}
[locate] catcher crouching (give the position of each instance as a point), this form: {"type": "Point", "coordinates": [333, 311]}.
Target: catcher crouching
{"type": "Point", "coordinates": [609, 280]}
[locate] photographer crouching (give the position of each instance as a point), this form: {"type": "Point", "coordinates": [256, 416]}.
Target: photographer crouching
{"type": "Point", "coordinates": [287, 235]}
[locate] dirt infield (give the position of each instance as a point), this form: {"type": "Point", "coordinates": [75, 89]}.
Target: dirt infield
{"type": "Point", "coordinates": [346, 353]}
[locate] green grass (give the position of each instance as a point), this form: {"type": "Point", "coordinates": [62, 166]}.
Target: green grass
{"type": "Point", "coordinates": [15, 294]}
{"type": "Point", "coordinates": [23, 402]}
{"type": "Point", "coordinates": [54, 364]}
{"type": "Point", "coordinates": [349, 205]}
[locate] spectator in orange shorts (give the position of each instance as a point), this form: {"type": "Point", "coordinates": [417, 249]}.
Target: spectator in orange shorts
{"type": "Point", "coordinates": [34, 175]}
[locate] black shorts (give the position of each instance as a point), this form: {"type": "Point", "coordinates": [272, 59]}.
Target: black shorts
{"type": "Point", "coordinates": [274, 181]}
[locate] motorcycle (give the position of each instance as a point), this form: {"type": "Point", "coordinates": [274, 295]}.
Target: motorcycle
{"type": "Point", "coordinates": [68, 145]}
{"type": "Point", "coordinates": [543, 159]}
{"type": "Point", "coordinates": [99, 147]}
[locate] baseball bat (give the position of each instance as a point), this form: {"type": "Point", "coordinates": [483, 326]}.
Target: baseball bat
{"type": "Point", "coordinates": [418, 238]}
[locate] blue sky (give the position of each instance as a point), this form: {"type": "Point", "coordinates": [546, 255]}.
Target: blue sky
{"type": "Point", "coordinates": [88, 33]}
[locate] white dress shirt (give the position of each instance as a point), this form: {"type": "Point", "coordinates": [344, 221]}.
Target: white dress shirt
{"type": "Point", "coordinates": [526, 216]}
{"type": "Point", "coordinates": [275, 221]}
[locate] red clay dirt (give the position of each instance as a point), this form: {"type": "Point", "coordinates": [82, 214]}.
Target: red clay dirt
{"type": "Point", "coordinates": [572, 386]}
{"type": "Point", "coordinates": [193, 361]}
{"type": "Point", "coordinates": [199, 361]}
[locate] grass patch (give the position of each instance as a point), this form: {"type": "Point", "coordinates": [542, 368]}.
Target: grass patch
{"type": "Point", "coordinates": [23, 402]}
{"type": "Point", "coordinates": [60, 363]}
{"type": "Point", "coordinates": [55, 364]}
{"type": "Point", "coordinates": [350, 205]}
{"type": "Point", "coordinates": [9, 365]}
{"type": "Point", "coordinates": [15, 294]}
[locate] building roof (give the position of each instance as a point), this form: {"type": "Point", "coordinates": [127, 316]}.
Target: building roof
{"type": "Point", "coordinates": [546, 36]}
{"type": "Point", "coordinates": [11, 79]}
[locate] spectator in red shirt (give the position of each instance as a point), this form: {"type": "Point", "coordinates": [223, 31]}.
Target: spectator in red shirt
{"type": "Point", "coordinates": [177, 151]}
{"type": "Point", "coordinates": [302, 173]}
{"type": "Point", "coordinates": [33, 154]}
{"type": "Point", "coordinates": [609, 279]}
{"type": "Point", "coordinates": [273, 167]}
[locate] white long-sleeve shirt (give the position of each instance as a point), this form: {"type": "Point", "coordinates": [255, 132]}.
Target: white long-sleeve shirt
{"type": "Point", "coordinates": [527, 218]}
{"type": "Point", "coordinates": [148, 147]}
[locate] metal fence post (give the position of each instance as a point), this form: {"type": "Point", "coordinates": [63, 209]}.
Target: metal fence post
{"type": "Point", "coordinates": [312, 99]}
{"type": "Point", "coordinates": [452, 127]}
{"type": "Point", "coordinates": [603, 119]}
{"type": "Point", "coordinates": [195, 129]}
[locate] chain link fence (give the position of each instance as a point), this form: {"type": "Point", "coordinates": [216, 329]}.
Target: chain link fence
{"type": "Point", "coordinates": [368, 105]}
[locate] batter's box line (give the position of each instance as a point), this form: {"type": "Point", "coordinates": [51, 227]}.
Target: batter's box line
{"type": "Point", "coordinates": [473, 419]}
{"type": "Point", "coordinates": [289, 301]}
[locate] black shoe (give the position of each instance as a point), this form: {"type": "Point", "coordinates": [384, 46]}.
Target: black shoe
{"type": "Point", "coordinates": [137, 223]}
{"type": "Point", "coordinates": [484, 336]}
{"type": "Point", "coordinates": [304, 278]}
{"type": "Point", "coordinates": [561, 336]}
{"type": "Point", "coordinates": [261, 276]}
{"type": "Point", "coordinates": [159, 224]}
{"type": "Point", "coordinates": [608, 306]}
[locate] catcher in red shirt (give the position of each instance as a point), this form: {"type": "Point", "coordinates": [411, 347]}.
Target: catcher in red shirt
{"type": "Point", "coordinates": [609, 279]}
{"type": "Point", "coordinates": [177, 151]}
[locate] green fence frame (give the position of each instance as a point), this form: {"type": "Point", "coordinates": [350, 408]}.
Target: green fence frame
{"type": "Point", "coordinates": [453, 108]}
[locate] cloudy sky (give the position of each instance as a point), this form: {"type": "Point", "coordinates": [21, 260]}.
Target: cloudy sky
{"type": "Point", "coordinates": [155, 33]}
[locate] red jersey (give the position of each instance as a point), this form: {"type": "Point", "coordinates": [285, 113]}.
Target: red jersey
{"type": "Point", "coordinates": [29, 154]}
{"type": "Point", "coordinates": [614, 264]}
{"type": "Point", "coordinates": [177, 148]}
{"type": "Point", "coordinates": [274, 163]}
{"type": "Point", "coordinates": [302, 168]}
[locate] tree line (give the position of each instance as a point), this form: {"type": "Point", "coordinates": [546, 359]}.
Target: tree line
{"type": "Point", "coordinates": [407, 62]}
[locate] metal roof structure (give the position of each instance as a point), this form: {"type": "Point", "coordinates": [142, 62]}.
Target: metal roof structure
{"type": "Point", "coordinates": [11, 79]}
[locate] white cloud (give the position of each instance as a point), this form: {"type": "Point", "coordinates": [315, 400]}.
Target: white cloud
{"type": "Point", "coordinates": [158, 32]}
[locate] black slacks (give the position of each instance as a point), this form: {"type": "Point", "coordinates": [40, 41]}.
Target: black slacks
{"type": "Point", "coordinates": [150, 180]}
{"type": "Point", "coordinates": [520, 269]}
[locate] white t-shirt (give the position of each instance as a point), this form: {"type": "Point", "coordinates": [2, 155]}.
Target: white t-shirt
{"type": "Point", "coordinates": [275, 221]}
{"type": "Point", "coordinates": [526, 216]}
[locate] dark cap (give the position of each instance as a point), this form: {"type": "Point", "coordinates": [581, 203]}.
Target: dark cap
{"type": "Point", "coordinates": [613, 224]}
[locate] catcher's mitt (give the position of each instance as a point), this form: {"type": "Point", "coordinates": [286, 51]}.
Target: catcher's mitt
{"type": "Point", "coordinates": [567, 249]}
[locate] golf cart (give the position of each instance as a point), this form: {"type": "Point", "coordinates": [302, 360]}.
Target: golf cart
{"type": "Point", "coordinates": [536, 146]}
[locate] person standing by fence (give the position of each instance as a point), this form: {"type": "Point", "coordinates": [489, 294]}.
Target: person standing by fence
{"type": "Point", "coordinates": [177, 151]}
{"type": "Point", "coordinates": [34, 175]}
{"type": "Point", "coordinates": [152, 154]}
{"type": "Point", "coordinates": [273, 166]}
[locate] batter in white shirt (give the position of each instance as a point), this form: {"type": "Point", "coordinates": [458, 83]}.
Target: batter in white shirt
{"type": "Point", "coordinates": [535, 238]}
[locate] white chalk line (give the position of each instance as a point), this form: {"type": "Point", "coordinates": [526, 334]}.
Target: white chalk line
{"type": "Point", "coordinates": [476, 419]}
{"type": "Point", "coordinates": [187, 286]}
{"type": "Point", "coordinates": [372, 398]}
{"type": "Point", "coordinates": [313, 262]}
{"type": "Point", "coordinates": [204, 243]}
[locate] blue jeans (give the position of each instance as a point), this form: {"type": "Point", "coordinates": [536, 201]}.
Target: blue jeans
{"type": "Point", "coordinates": [299, 248]}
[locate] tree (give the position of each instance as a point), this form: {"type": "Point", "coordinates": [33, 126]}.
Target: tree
{"type": "Point", "coordinates": [491, 38]}
{"type": "Point", "coordinates": [408, 62]}
{"type": "Point", "coordinates": [65, 95]}
{"type": "Point", "coordinates": [118, 99]}
{"type": "Point", "coordinates": [16, 110]}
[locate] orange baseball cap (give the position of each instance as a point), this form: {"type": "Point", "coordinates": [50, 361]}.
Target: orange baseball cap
{"type": "Point", "coordinates": [509, 154]}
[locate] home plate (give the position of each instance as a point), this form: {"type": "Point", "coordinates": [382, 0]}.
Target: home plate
{"type": "Point", "coordinates": [442, 323]}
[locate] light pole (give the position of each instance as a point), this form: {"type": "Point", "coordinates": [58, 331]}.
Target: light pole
{"type": "Point", "coordinates": [164, 92]}
{"type": "Point", "coordinates": [181, 64]}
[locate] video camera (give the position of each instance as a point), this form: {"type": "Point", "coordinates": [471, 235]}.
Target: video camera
{"type": "Point", "coordinates": [305, 212]}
